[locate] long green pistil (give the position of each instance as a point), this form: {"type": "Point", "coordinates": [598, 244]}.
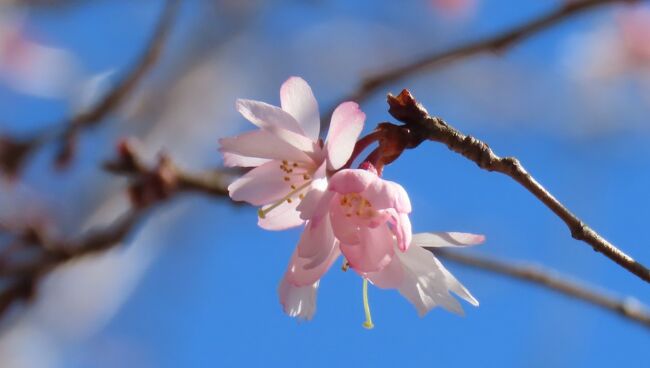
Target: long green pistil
{"type": "Point", "coordinates": [366, 306]}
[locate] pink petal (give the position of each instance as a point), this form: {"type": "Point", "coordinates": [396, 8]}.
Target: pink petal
{"type": "Point", "coordinates": [381, 193]}
{"type": "Point", "coordinates": [345, 228]}
{"type": "Point", "coordinates": [316, 202]}
{"type": "Point", "coordinates": [306, 270]}
{"type": "Point", "coordinates": [298, 301]}
{"type": "Point", "coordinates": [447, 239]}
{"type": "Point", "coordinates": [283, 217]}
{"type": "Point", "coordinates": [351, 181]}
{"type": "Point", "coordinates": [374, 251]}
{"type": "Point", "coordinates": [298, 100]}
{"type": "Point", "coordinates": [401, 228]}
{"type": "Point", "coordinates": [316, 241]}
{"type": "Point", "coordinates": [233, 159]}
{"type": "Point", "coordinates": [267, 116]}
{"type": "Point", "coordinates": [262, 185]}
{"type": "Point", "coordinates": [345, 127]}
{"type": "Point", "coordinates": [263, 144]}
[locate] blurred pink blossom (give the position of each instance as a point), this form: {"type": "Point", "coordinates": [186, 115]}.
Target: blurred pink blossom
{"type": "Point", "coordinates": [454, 8]}
{"type": "Point", "coordinates": [33, 68]}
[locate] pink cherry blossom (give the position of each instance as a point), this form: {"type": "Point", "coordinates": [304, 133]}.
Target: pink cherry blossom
{"type": "Point", "coordinates": [286, 153]}
{"type": "Point", "coordinates": [416, 273]}
{"type": "Point", "coordinates": [368, 216]}
{"type": "Point", "coordinates": [363, 217]}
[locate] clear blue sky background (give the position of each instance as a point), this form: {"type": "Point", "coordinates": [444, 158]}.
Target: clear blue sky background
{"type": "Point", "coordinates": [209, 299]}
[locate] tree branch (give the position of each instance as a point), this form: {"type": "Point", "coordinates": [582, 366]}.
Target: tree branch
{"type": "Point", "coordinates": [627, 307]}
{"type": "Point", "coordinates": [497, 43]}
{"type": "Point", "coordinates": [420, 126]}
{"type": "Point", "coordinates": [14, 152]}
{"type": "Point", "coordinates": [148, 187]}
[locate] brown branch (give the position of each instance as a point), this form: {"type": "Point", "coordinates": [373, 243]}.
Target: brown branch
{"type": "Point", "coordinates": [627, 307]}
{"type": "Point", "coordinates": [420, 126]}
{"type": "Point", "coordinates": [497, 43]}
{"type": "Point", "coordinates": [14, 152]}
{"type": "Point", "coordinates": [148, 187]}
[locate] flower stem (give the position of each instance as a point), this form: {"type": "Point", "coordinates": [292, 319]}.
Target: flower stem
{"type": "Point", "coordinates": [366, 306]}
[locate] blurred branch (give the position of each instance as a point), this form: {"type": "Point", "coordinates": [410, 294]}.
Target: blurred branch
{"type": "Point", "coordinates": [148, 186]}
{"type": "Point", "coordinates": [627, 307]}
{"type": "Point", "coordinates": [420, 126]}
{"type": "Point", "coordinates": [498, 43]}
{"type": "Point", "coordinates": [14, 152]}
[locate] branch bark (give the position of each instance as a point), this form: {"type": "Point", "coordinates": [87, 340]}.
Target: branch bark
{"type": "Point", "coordinates": [420, 126]}
{"type": "Point", "coordinates": [148, 186]}
{"type": "Point", "coordinates": [628, 307]}
{"type": "Point", "coordinates": [497, 43]}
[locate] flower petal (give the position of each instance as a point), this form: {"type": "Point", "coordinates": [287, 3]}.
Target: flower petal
{"type": "Point", "coordinates": [262, 185]}
{"type": "Point", "coordinates": [278, 122]}
{"type": "Point", "coordinates": [447, 239]}
{"type": "Point", "coordinates": [283, 217]}
{"type": "Point", "coordinates": [373, 252]}
{"type": "Point", "coordinates": [401, 228]}
{"type": "Point", "coordinates": [263, 144]}
{"type": "Point", "coordinates": [306, 270]}
{"type": "Point", "coordinates": [298, 301]}
{"type": "Point", "coordinates": [316, 241]}
{"type": "Point", "coordinates": [427, 282]}
{"type": "Point", "coordinates": [345, 127]}
{"type": "Point", "coordinates": [390, 277]}
{"type": "Point", "coordinates": [233, 159]}
{"type": "Point", "coordinates": [381, 193]}
{"type": "Point", "coordinates": [298, 100]}
{"type": "Point", "coordinates": [267, 116]}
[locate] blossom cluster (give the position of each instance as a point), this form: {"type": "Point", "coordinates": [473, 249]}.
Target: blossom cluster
{"type": "Point", "coordinates": [299, 180]}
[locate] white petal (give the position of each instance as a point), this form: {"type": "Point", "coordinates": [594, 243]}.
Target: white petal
{"type": "Point", "coordinates": [267, 116]}
{"type": "Point", "coordinates": [262, 185]}
{"type": "Point", "coordinates": [278, 122]}
{"type": "Point", "coordinates": [298, 301]}
{"type": "Point", "coordinates": [283, 217]}
{"type": "Point", "coordinates": [345, 127]}
{"type": "Point", "coordinates": [263, 144]}
{"type": "Point", "coordinates": [298, 100]}
{"type": "Point", "coordinates": [233, 159]}
{"type": "Point", "coordinates": [447, 239]}
{"type": "Point", "coordinates": [427, 282]}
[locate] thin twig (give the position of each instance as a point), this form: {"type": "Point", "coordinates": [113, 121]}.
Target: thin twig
{"type": "Point", "coordinates": [421, 126]}
{"type": "Point", "coordinates": [14, 151]}
{"type": "Point", "coordinates": [148, 187]}
{"type": "Point", "coordinates": [497, 43]}
{"type": "Point", "coordinates": [627, 307]}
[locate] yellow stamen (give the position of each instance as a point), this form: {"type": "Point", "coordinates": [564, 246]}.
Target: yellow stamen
{"type": "Point", "coordinates": [345, 266]}
{"type": "Point", "coordinates": [366, 306]}
{"type": "Point", "coordinates": [263, 211]}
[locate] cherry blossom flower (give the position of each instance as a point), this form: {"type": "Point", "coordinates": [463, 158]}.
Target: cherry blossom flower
{"type": "Point", "coordinates": [416, 273]}
{"type": "Point", "coordinates": [363, 217]}
{"type": "Point", "coordinates": [286, 153]}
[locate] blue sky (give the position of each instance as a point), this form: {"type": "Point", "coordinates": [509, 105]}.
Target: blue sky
{"type": "Point", "coordinates": [209, 297]}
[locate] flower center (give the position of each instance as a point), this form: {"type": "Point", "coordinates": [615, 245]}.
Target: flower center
{"type": "Point", "coordinates": [355, 205]}
{"type": "Point", "coordinates": [298, 177]}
